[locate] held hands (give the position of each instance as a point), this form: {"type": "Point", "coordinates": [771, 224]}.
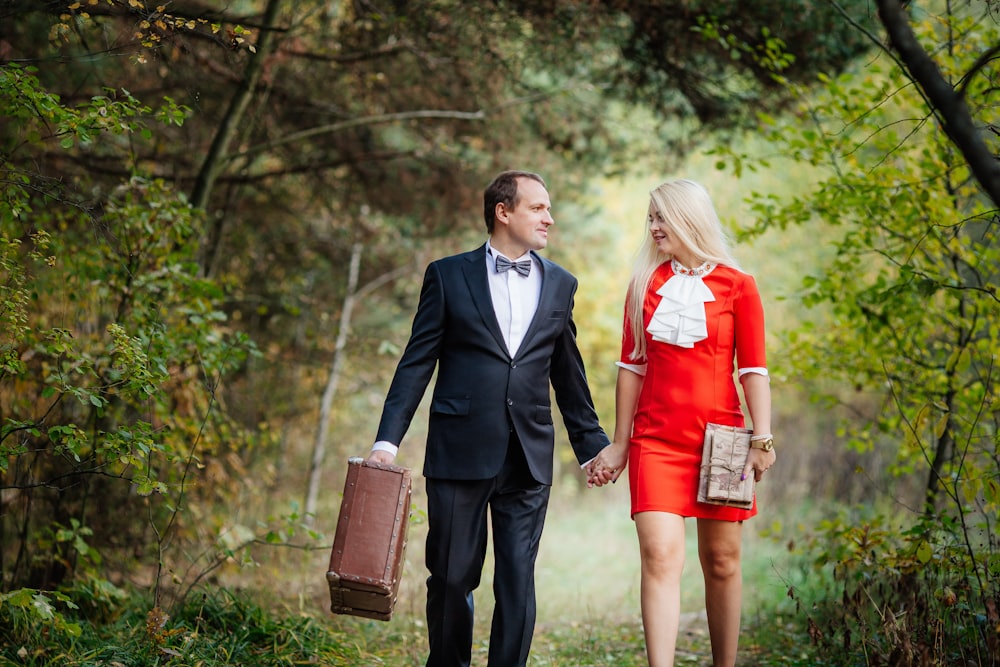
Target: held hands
{"type": "Point", "coordinates": [608, 465]}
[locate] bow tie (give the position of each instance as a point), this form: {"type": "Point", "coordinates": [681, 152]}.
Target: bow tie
{"type": "Point", "coordinates": [523, 267]}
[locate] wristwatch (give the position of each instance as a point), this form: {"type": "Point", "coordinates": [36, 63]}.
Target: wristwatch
{"type": "Point", "coordinates": [767, 444]}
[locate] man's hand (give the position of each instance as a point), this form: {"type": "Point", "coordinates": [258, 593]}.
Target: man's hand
{"type": "Point", "coordinates": [381, 456]}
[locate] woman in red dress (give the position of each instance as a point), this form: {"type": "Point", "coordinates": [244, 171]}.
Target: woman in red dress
{"type": "Point", "coordinates": [690, 315]}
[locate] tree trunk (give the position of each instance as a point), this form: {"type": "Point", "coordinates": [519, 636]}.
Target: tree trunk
{"type": "Point", "coordinates": [947, 103]}
{"type": "Point", "coordinates": [215, 159]}
{"type": "Point", "coordinates": [326, 405]}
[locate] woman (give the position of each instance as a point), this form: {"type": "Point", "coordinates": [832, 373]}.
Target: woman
{"type": "Point", "coordinates": [690, 311]}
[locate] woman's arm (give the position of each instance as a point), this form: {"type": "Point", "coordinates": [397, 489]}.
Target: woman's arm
{"type": "Point", "coordinates": [757, 392]}
{"type": "Point", "coordinates": [609, 464]}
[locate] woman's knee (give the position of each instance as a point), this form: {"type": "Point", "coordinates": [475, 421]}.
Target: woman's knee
{"type": "Point", "coordinates": [720, 563]}
{"type": "Point", "coordinates": [662, 560]}
{"type": "Point", "coordinates": [661, 544]}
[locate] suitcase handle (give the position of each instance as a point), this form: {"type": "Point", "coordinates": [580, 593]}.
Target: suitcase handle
{"type": "Point", "coordinates": [360, 460]}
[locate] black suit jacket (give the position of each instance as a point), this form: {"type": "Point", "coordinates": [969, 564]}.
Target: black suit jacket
{"type": "Point", "coordinates": [481, 391]}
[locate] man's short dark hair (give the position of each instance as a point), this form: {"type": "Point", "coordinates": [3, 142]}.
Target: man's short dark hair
{"type": "Point", "coordinates": [503, 190]}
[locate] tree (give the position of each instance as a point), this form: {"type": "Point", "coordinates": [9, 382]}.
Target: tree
{"type": "Point", "coordinates": [945, 99]}
{"type": "Point", "coordinates": [908, 335]}
{"type": "Point", "coordinates": [112, 352]}
{"type": "Point", "coordinates": [323, 125]}
{"type": "Point", "coordinates": [293, 133]}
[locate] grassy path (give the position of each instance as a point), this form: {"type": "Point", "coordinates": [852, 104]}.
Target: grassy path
{"type": "Point", "coordinates": [588, 594]}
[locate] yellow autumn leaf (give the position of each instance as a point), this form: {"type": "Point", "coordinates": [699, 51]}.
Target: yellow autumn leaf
{"type": "Point", "coordinates": [924, 552]}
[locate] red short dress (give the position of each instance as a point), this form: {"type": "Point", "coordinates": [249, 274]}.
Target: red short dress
{"type": "Point", "coordinates": [686, 387]}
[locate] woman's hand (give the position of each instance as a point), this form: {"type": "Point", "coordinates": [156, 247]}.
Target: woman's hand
{"type": "Point", "coordinates": [608, 465]}
{"type": "Point", "coordinates": [758, 461]}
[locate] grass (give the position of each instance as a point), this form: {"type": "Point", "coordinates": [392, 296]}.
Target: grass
{"type": "Point", "coordinates": [588, 609]}
{"type": "Point", "coordinates": [588, 584]}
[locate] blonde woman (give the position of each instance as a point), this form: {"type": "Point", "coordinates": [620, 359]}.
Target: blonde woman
{"type": "Point", "coordinates": [690, 315]}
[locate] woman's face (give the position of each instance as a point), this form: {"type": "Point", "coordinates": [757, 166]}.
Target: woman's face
{"type": "Point", "coordinates": [664, 240]}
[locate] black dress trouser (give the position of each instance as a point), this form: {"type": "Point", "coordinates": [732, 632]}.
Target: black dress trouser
{"type": "Point", "coordinates": [456, 552]}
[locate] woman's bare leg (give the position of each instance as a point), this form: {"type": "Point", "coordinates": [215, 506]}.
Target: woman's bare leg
{"type": "Point", "coordinates": [719, 547]}
{"type": "Point", "coordinates": [661, 552]}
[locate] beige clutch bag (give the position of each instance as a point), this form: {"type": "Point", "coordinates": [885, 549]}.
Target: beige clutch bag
{"type": "Point", "coordinates": [722, 460]}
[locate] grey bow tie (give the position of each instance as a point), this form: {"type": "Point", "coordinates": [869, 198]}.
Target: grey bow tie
{"type": "Point", "coordinates": [523, 267]}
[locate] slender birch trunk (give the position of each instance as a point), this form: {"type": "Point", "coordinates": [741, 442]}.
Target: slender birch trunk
{"type": "Point", "coordinates": [326, 405]}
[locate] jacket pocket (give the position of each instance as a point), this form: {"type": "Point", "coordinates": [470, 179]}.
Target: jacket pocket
{"type": "Point", "coordinates": [450, 406]}
{"type": "Point", "coordinates": [543, 414]}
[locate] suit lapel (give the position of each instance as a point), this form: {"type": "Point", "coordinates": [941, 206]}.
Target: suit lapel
{"type": "Point", "coordinates": [479, 288]}
{"type": "Point", "coordinates": [546, 301]}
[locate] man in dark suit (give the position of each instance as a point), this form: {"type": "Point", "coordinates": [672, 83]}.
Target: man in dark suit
{"type": "Point", "coordinates": [497, 322]}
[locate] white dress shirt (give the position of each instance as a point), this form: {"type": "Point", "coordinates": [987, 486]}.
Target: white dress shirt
{"type": "Point", "coordinates": [515, 297]}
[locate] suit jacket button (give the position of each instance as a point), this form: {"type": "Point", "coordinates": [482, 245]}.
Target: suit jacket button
{"type": "Point", "coordinates": [510, 402]}
{"type": "Point", "coordinates": [513, 364]}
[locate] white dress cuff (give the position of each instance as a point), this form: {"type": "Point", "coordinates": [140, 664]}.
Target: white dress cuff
{"type": "Point", "coordinates": [759, 370]}
{"type": "Point", "coordinates": [638, 369]}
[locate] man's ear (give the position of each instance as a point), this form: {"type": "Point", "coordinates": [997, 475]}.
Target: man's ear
{"type": "Point", "coordinates": [500, 213]}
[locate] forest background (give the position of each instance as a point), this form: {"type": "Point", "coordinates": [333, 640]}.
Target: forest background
{"type": "Point", "coordinates": [214, 223]}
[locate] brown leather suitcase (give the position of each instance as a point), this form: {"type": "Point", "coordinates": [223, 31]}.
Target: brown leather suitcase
{"type": "Point", "coordinates": [367, 559]}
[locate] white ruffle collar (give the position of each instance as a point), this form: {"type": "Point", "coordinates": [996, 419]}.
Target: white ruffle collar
{"type": "Point", "coordinates": [679, 319]}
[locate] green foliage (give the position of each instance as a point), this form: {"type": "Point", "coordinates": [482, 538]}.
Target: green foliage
{"type": "Point", "coordinates": [25, 610]}
{"type": "Point", "coordinates": [907, 594]}
{"type": "Point", "coordinates": [376, 124]}
{"type": "Point", "coordinates": [41, 116]}
{"type": "Point", "coordinates": [117, 433]}
{"type": "Point", "coordinates": [226, 628]}
{"type": "Point", "coordinates": [111, 354]}
{"type": "Point", "coordinates": [907, 312]}
{"type": "Point", "coordinates": [210, 629]}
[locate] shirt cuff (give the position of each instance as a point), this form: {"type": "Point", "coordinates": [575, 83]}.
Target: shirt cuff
{"type": "Point", "coordinates": [385, 446]}
{"type": "Point", "coordinates": [759, 370]}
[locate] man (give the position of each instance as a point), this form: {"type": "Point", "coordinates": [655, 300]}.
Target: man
{"type": "Point", "coordinates": [497, 322]}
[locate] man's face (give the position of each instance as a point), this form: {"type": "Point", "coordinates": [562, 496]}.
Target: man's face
{"type": "Point", "coordinates": [527, 225]}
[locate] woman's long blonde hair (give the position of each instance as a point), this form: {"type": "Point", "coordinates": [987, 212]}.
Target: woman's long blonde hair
{"type": "Point", "coordinates": [687, 210]}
